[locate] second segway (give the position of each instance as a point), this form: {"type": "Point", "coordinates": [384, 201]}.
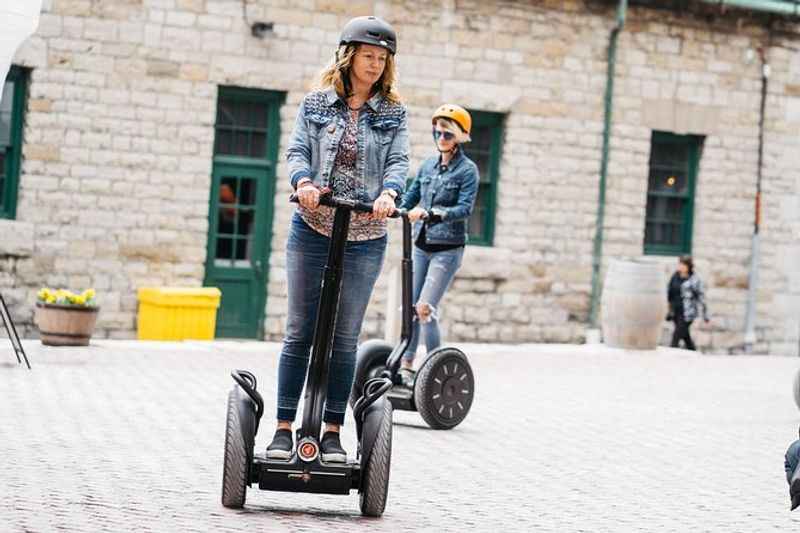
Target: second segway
{"type": "Point", "coordinates": [444, 385]}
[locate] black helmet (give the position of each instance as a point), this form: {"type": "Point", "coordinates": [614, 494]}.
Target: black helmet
{"type": "Point", "coordinates": [369, 30]}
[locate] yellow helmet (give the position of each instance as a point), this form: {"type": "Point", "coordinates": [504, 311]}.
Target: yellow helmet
{"type": "Point", "coordinates": [455, 113]}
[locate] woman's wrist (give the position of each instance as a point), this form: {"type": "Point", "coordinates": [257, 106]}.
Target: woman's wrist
{"type": "Point", "coordinates": [303, 182]}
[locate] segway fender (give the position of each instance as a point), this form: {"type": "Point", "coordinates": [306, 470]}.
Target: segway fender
{"type": "Point", "coordinates": [370, 426]}
{"type": "Point", "coordinates": [370, 352]}
{"type": "Point", "coordinates": [248, 421]}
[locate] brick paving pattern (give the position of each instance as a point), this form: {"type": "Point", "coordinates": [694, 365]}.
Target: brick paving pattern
{"type": "Point", "coordinates": [127, 436]}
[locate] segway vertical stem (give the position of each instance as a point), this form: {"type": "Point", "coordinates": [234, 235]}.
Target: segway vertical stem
{"type": "Point", "coordinates": [317, 382]}
{"type": "Point", "coordinates": [393, 363]}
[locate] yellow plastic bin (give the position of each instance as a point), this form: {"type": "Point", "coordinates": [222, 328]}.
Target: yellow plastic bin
{"type": "Point", "coordinates": [178, 313]}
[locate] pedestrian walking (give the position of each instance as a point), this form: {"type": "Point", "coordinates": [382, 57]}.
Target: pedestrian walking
{"type": "Point", "coordinates": [687, 302]}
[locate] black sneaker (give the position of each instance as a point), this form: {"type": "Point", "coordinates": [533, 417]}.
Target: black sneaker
{"type": "Point", "coordinates": [281, 445]}
{"type": "Point", "coordinates": [332, 450]}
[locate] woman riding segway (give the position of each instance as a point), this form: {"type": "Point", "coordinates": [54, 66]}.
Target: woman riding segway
{"type": "Point", "coordinates": [350, 136]}
{"type": "Point", "coordinates": [440, 200]}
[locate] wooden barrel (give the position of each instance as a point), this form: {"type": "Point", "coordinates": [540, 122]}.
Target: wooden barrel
{"type": "Point", "coordinates": [633, 305]}
{"type": "Point", "coordinates": [64, 325]}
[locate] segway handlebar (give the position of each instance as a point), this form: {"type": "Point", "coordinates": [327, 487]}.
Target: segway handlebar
{"type": "Point", "coordinates": [326, 198]}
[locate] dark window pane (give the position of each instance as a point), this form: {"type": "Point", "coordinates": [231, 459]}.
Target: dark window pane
{"type": "Point", "coordinates": [663, 234]}
{"type": "Point", "coordinates": [258, 145]}
{"type": "Point", "coordinates": [475, 224]}
{"type": "Point", "coordinates": [670, 153]}
{"type": "Point", "coordinates": [225, 112]}
{"type": "Point", "coordinates": [240, 128]}
{"type": "Point", "coordinates": [6, 107]}
{"type": "Point", "coordinates": [224, 248]}
{"type": "Point", "coordinates": [247, 194]}
{"type": "Point", "coordinates": [668, 182]}
{"type": "Point", "coordinates": [660, 208]}
{"type": "Point", "coordinates": [260, 116]}
{"type": "Point", "coordinates": [243, 249]}
{"type": "Point", "coordinates": [244, 226]}
{"type": "Point", "coordinates": [241, 141]}
{"type": "Point", "coordinates": [224, 141]}
{"type": "Point", "coordinates": [226, 221]}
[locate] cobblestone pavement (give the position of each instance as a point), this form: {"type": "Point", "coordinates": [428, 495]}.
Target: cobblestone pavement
{"type": "Point", "coordinates": [129, 436]}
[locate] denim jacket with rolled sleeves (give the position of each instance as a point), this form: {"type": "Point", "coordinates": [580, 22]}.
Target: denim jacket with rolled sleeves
{"type": "Point", "coordinates": [453, 190]}
{"type": "Point", "coordinates": [382, 142]}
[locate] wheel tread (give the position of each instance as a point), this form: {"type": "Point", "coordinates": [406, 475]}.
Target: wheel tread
{"type": "Point", "coordinates": [235, 468]}
{"type": "Point", "coordinates": [376, 476]}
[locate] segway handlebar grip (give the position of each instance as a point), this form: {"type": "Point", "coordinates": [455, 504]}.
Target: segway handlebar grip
{"type": "Point", "coordinates": [326, 198]}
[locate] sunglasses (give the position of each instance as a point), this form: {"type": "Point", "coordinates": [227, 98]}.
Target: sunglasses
{"type": "Point", "coordinates": [445, 134]}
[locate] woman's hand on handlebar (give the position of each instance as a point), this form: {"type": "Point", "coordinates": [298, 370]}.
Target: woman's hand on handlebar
{"type": "Point", "coordinates": [308, 195]}
{"type": "Point", "coordinates": [382, 207]}
{"type": "Point", "coordinates": [417, 214]}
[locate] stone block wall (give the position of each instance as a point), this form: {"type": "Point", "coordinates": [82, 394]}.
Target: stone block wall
{"type": "Point", "coordinates": [119, 140]}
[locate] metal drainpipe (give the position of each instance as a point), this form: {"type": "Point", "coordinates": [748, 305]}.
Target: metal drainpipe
{"type": "Point", "coordinates": [597, 255]}
{"type": "Point", "coordinates": [752, 282]}
{"type": "Point", "coordinates": [780, 7]}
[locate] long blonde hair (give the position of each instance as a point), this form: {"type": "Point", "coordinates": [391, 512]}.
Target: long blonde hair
{"type": "Point", "coordinates": [336, 72]}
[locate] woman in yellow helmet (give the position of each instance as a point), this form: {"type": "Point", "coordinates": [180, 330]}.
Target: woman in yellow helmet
{"type": "Point", "coordinates": [440, 200]}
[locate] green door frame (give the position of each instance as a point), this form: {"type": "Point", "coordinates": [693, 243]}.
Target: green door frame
{"type": "Point", "coordinates": [254, 276]}
{"type": "Point", "coordinates": [13, 152]}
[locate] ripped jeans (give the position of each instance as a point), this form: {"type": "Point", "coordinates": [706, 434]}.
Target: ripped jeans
{"type": "Point", "coordinates": [433, 273]}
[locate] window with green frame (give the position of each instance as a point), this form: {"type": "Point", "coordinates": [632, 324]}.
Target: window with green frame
{"type": "Point", "coordinates": [670, 193]}
{"type": "Point", "coordinates": [485, 149]}
{"type": "Point", "coordinates": [12, 110]}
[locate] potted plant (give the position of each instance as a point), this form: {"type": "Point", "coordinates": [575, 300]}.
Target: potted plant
{"type": "Point", "coordinates": [65, 318]}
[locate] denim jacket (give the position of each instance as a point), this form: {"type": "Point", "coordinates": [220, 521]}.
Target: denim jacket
{"type": "Point", "coordinates": [382, 142]}
{"type": "Point", "coordinates": [453, 189]}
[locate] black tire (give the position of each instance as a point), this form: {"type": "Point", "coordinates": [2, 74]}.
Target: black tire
{"type": "Point", "coordinates": [797, 389]}
{"type": "Point", "coordinates": [375, 476]}
{"type": "Point", "coordinates": [370, 362]}
{"type": "Point", "coordinates": [444, 388]}
{"type": "Point", "coordinates": [237, 459]}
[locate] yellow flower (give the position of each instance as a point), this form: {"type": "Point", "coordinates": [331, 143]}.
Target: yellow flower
{"type": "Point", "coordinates": [79, 300]}
{"type": "Point", "coordinates": [51, 298]}
{"type": "Point", "coordinates": [88, 294]}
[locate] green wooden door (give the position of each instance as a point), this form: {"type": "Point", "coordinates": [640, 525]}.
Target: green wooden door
{"type": "Point", "coordinates": [240, 207]}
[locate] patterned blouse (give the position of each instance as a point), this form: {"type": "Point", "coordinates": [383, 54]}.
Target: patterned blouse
{"type": "Point", "coordinates": [345, 184]}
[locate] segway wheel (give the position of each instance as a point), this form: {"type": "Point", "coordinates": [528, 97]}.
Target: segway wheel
{"type": "Point", "coordinates": [370, 362]}
{"type": "Point", "coordinates": [236, 466]}
{"type": "Point", "coordinates": [444, 388]}
{"type": "Point", "coordinates": [375, 477]}
{"type": "Point", "coordinates": [797, 389]}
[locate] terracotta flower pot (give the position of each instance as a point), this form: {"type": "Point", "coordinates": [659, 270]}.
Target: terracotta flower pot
{"type": "Point", "coordinates": [65, 325]}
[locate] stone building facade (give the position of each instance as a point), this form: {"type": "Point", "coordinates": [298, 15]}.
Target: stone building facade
{"type": "Point", "coordinates": [119, 143]}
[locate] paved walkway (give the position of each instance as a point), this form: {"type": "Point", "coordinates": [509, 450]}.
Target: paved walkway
{"type": "Point", "coordinates": [128, 436]}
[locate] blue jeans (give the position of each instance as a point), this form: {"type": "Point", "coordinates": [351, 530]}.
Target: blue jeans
{"type": "Point", "coordinates": [792, 459]}
{"type": "Point", "coordinates": [433, 273]}
{"type": "Point", "coordinates": [306, 256]}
